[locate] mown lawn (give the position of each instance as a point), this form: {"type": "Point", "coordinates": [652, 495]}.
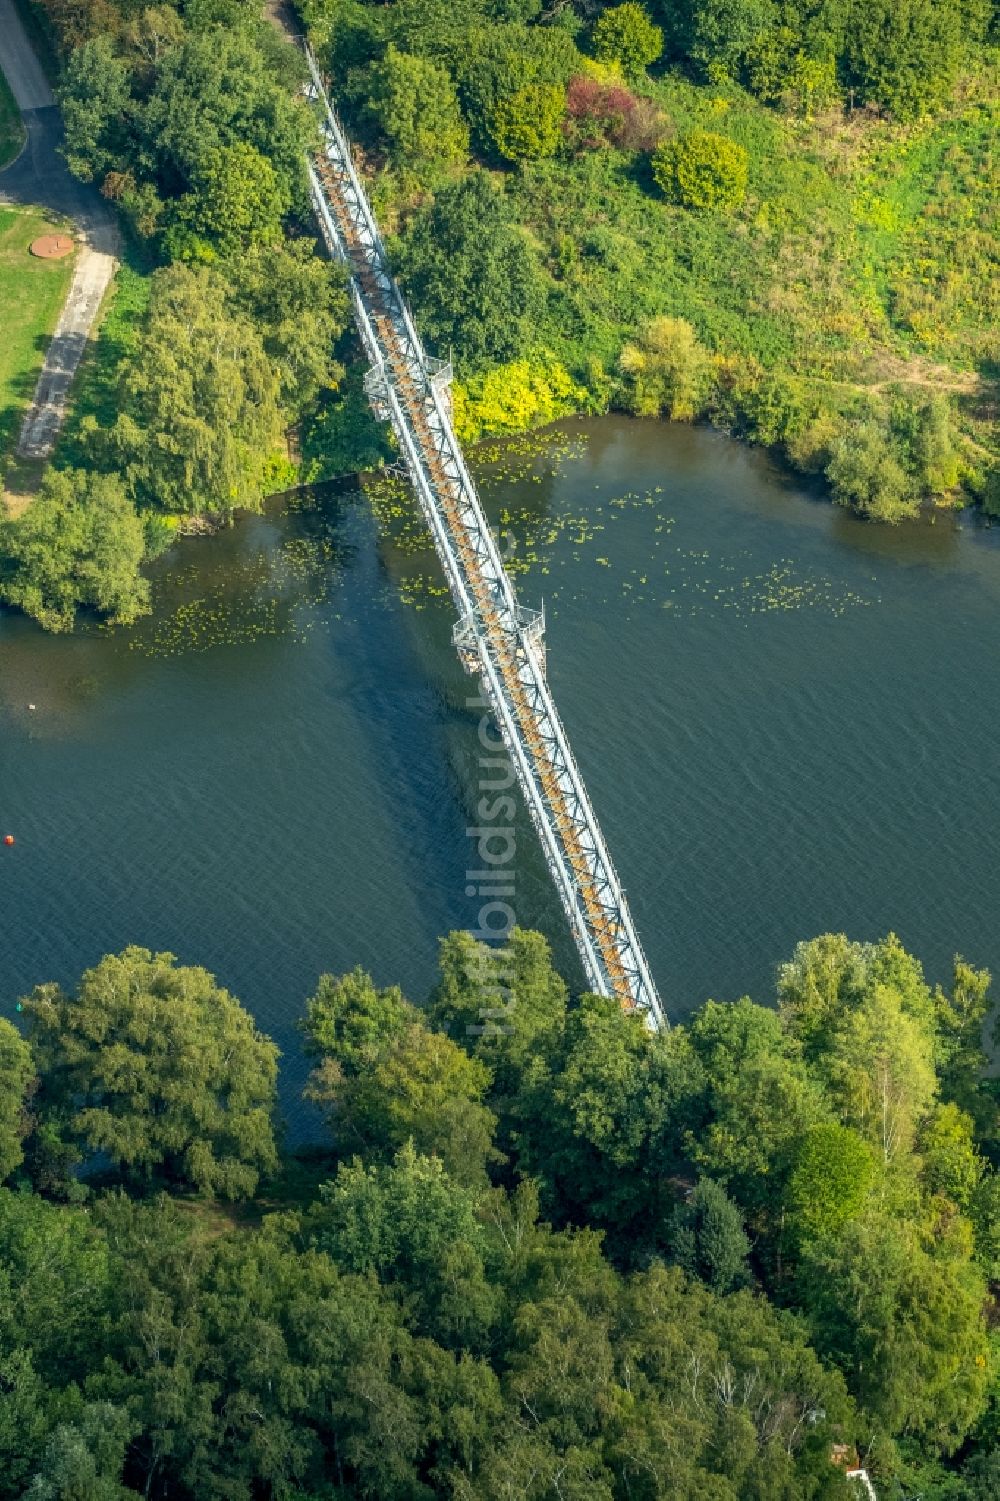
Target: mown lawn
{"type": "Point", "coordinates": [11, 127]}
{"type": "Point", "coordinates": [31, 295]}
{"type": "Point", "coordinates": [115, 336]}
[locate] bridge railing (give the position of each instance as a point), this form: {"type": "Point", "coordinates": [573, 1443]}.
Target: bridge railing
{"type": "Point", "coordinates": [596, 908]}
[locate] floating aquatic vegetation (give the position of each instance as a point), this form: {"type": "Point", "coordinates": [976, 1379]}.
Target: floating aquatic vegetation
{"type": "Point", "coordinates": [276, 592]}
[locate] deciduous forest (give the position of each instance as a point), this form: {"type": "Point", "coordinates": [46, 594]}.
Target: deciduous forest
{"type": "Point", "coordinates": [539, 1253]}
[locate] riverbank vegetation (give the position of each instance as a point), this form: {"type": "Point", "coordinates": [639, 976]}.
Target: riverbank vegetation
{"type": "Point", "coordinates": [776, 216]}
{"type": "Point", "coordinates": [542, 1253]}
{"type": "Point", "coordinates": [220, 334]}
{"type": "Point", "coordinates": [772, 216]}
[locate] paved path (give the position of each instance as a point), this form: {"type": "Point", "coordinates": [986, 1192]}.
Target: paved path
{"type": "Point", "coordinates": [40, 176]}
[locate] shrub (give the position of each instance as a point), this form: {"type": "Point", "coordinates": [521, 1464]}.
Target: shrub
{"type": "Point", "coordinates": [522, 394]}
{"type": "Point", "coordinates": [702, 171]}
{"type": "Point", "coordinates": [528, 125]}
{"type": "Point", "coordinates": [668, 370]}
{"type": "Point", "coordinates": [599, 113]}
{"type": "Point", "coordinates": [991, 492]}
{"type": "Point", "coordinates": [625, 35]}
{"type": "Point", "coordinates": [936, 459]}
{"type": "Point", "coordinates": [865, 472]}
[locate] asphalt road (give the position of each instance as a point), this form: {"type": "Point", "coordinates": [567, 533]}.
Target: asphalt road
{"type": "Point", "coordinates": [19, 64]}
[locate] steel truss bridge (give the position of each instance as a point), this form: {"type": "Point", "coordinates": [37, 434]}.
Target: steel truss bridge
{"type": "Point", "coordinates": [496, 637]}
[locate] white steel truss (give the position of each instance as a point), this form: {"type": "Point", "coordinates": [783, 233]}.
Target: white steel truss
{"type": "Point", "coordinates": [496, 637]}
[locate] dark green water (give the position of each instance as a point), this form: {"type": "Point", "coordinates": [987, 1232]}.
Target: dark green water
{"type": "Point", "coordinates": [787, 719]}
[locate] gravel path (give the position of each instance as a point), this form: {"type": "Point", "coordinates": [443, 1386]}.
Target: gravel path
{"type": "Point", "coordinates": [40, 176]}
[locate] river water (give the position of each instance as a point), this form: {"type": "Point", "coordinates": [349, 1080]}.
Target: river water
{"type": "Point", "coordinates": [787, 720]}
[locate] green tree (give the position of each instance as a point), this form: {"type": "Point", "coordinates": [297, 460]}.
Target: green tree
{"type": "Point", "coordinates": [78, 546]}
{"type": "Point", "coordinates": [160, 1069]}
{"type": "Point", "coordinates": [528, 124]}
{"type": "Point", "coordinates": [668, 371]}
{"type": "Point", "coordinates": [982, 1476]}
{"type": "Point", "coordinates": [825, 977]}
{"type": "Point", "coordinates": [624, 34]}
{"type": "Point", "coordinates": [298, 302]}
{"type": "Point", "coordinates": [904, 1323]}
{"type": "Point", "coordinates": [991, 491]}
{"type": "Point", "coordinates": [702, 171]}
{"type": "Point", "coordinates": [423, 1089]}
{"type": "Point", "coordinates": [385, 1079]}
{"type": "Point", "coordinates": [936, 458]}
{"type": "Point", "coordinates": [707, 1361]}
{"type": "Point", "coordinates": [599, 1121]}
{"type": "Point", "coordinates": [494, 62]}
{"type": "Point", "coordinates": [97, 108]}
{"type": "Point", "coordinates": [221, 88]}
{"type": "Point", "coordinates": [256, 1368]}
{"type": "Point", "coordinates": [880, 1070]}
{"type": "Point", "coordinates": [24, 1419]}
{"type": "Point", "coordinates": [756, 1102]}
{"type": "Point", "coordinates": [506, 1006]}
{"type": "Point", "coordinates": [54, 1286]}
{"type": "Point", "coordinates": [237, 201]}
{"type": "Point", "coordinates": [720, 33]}
{"type": "Point", "coordinates": [16, 1072]}
{"type": "Point", "coordinates": [83, 1460]}
{"type": "Point", "coordinates": [473, 280]}
{"type": "Point", "coordinates": [415, 1228]}
{"type": "Point", "coordinates": [350, 1023]}
{"type": "Point", "coordinates": [707, 1237]}
{"type": "Point", "coordinates": [951, 1164]}
{"type": "Point", "coordinates": [962, 1060]}
{"type": "Point", "coordinates": [834, 1172]}
{"type": "Point", "coordinates": [904, 57]}
{"type": "Point", "coordinates": [199, 415]}
{"type": "Point", "coordinates": [416, 106]}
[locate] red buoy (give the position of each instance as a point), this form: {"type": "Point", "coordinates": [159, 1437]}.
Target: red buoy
{"type": "Point", "coordinates": [8, 839]}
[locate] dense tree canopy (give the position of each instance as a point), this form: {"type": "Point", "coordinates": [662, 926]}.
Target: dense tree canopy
{"type": "Point", "coordinates": [78, 546]}
{"type": "Point", "coordinates": [161, 1070]}
{"type": "Point", "coordinates": [15, 1074]}
{"type": "Point", "coordinates": [415, 105]}
{"type": "Point", "coordinates": [199, 414]}
{"type": "Point", "coordinates": [729, 1256]}
{"type": "Point", "coordinates": [190, 117]}
{"type": "Point", "coordinates": [471, 274]}
{"type": "Point", "coordinates": [203, 138]}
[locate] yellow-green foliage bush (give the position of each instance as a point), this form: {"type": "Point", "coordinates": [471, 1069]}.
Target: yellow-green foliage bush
{"type": "Point", "coordinates": [702, 171]}
{"type": "Point", "coordinates": [522, 394]}
{"type": "Point", "coordinates": [667, 371]}
{"type": "Point", "coordinates": [626, 35]}
{"type": "Point", "coordinates": [527, 126]}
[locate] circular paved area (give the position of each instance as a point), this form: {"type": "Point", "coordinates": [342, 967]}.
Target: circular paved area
{"type": "Point", "coordinates": [51, 247]}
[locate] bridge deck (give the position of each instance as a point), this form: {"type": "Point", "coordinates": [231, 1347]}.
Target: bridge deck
{"type": "Point", "coordinates": [496, 636]}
